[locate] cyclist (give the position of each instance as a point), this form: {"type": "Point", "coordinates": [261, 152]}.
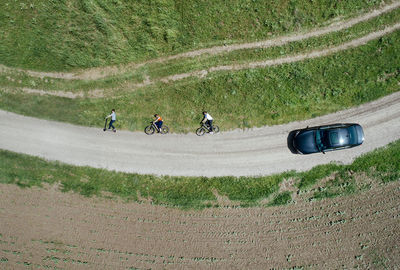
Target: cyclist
{"type": "Point", "coordinates": [113, 119]}
{"type": "Point", "coordinates": [207, 119]}
{"type": "Point", "coordinates": [158, 122]}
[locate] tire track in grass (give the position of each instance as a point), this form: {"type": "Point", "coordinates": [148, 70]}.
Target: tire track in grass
{"type": "Point", "coordinates": [259, 64]}
{"type": "Point", "coordinates": [279, 61]}
{"type": "Point", "coordinates": [101, 72]}
{"type": "Point", "coordinates": [98, 93]}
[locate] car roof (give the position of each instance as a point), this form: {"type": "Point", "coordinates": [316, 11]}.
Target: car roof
{"type": "Point", "coordinates": [338, 137]}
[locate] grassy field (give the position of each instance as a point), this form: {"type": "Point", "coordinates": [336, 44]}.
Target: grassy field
{"type": "Point", "coordinates": [240, 99]}
{"type": "Point", "coordinates": [259, 97]}
{"type": "Point", "coordinates": [62, 35]}
{"type": "Point", "coordinates": [381, 165]}
{"type": "Point", "coordinates": [154, 71]}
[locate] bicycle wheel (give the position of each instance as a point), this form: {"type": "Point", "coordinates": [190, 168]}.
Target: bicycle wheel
{"type": "Point", "coordinates": [149, 130]}
{"type": "Point", "coordinates": [215, 129]}
{"type": "Point", "coordinates": [164, 129]}
{"type": "Point", "coordinates": [200, 131]}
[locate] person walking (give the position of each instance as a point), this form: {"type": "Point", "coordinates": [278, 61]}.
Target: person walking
{"type": "Point", "coordinates": [113, 117]}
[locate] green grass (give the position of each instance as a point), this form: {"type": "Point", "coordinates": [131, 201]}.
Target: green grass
{"type": "Point", "coordinates": [266, 96]}
{"type": "Point", "coordinates": [42, 107]}
{"type": "Point", "coordinates": [281, 198]}
{"type": "Point", "coordinates": [158, 70]}
{"type": "Point", "coordinates": [337, 187]}
{"type": "Point", "coordinates": [382, 165]}
{"type": "Point", "coordinates": [318, 172]}
{"type": "Point", "coordinates": [61, 35]}
{"type": "Point", "coordinates": [261, 97]}
{"type": "Point", "coordinates": [186, 192]}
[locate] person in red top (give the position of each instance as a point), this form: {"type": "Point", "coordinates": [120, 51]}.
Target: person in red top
{"type": "Point", "coordinates": [158, 121]}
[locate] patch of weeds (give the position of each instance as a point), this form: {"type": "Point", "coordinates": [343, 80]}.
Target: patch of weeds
{"type": "Point", "coordinates": [248, 189]}
{"type": "Point", "coordinates": [281, 198]}
{"type": "Point", "coordinates": [289, 257]}
{"type": "Point", "coordinates": [310, 177]}
{"type": "Point", "coordinates": [378, 260]}
{"type": "Point", "coordinates": [383, 164]}
{"type": "Point", "coordinates": [340, 186]}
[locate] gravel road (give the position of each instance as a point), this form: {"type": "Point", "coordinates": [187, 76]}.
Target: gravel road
{"type": "Point", "coordinates": [258, 151]}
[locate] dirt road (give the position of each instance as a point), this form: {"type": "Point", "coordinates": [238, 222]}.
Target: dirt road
{"type": "Point", "coordinates": [49, 229]}
{"type": "Point", "coordinates": [259, 151]}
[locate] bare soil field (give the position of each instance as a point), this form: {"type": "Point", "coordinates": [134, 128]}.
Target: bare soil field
{"type": "Point", "coordinates": [45, 228]}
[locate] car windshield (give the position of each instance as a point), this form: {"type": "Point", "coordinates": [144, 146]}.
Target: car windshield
{"type": "Point", "coordinates": [352, 135]}
{"type": "Point", "coordinates": [333, 138]}
{"type": "Point", "coordinates": [321, 139]}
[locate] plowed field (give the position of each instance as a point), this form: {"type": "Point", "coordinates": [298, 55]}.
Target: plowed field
{"type": "Point", "coordinates": [42, 228]}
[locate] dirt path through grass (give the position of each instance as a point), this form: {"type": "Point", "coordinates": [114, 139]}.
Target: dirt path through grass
{"type": "Point", "coordinates": [287, 59]}
{"type": "Point", "coordinates": [258, 151]}
{"type": "Point", "coordinates": [47, 228]}
{"type": "Point", "coordinates": [97, 73]}
{"type": "Point", "coordinates": [98, 93]}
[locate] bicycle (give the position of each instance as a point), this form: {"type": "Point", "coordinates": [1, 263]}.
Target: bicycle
{"type": "Point", "coordinates": [149, 130]}
{"type": "Point", "coordinates": [206, 129]}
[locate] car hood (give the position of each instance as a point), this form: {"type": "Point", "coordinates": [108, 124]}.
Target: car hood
{"type": "Point", "coordinates": [360, 134]}
{"type": "Point", "coordinates": [304, 142]}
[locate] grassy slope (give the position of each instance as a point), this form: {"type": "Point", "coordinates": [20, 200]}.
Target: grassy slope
{"type": "Point", "coordinates": [382, 165]}
{"type": "Point", "coordinates": [242, 99]}
{"type": "Point", "coordinates": [183, 65]}
{"type": "Point", "coordinates": [60, 35]}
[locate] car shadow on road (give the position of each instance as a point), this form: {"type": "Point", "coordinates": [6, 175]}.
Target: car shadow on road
{"type": "Point", "coordinates": [290, 141]}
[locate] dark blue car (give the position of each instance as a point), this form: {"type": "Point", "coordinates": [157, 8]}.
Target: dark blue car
{"type": "Point", "coordinates": [327, 138]}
